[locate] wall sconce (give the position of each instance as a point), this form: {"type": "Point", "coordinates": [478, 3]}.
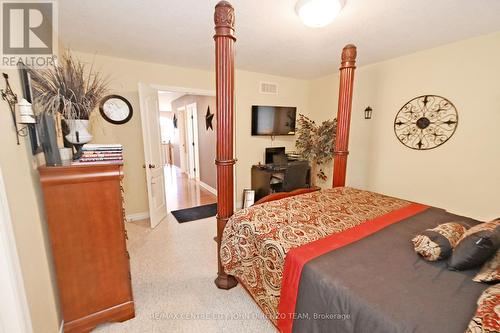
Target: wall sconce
{"type": "Point", "coordinates": [368, 113]}
{"type": "Point", "coordinates": [26, 115]}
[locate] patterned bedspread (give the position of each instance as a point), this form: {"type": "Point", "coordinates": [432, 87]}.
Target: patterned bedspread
{"type": "Point", "coordinates": [257, 239]}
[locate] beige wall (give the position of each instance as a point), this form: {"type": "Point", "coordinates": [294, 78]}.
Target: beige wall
{"type": "Point", "coordinates": [462, 175]}
{"type": "Point", "coordinates": [125, 75]}
{"type": "Point", "coordinates": [465, 72]}
{"type": "Point", "coordinates": [30, 230]}
{"type": "Point", "coordinates": [250, 149]}
{"type": "Point", "coordinates": [176, 144]}
{"type": "Point", "coordinates": [206, 138]}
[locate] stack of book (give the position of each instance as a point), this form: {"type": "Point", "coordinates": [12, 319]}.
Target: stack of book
{"type": "Point", "coordinates": [99, 153]}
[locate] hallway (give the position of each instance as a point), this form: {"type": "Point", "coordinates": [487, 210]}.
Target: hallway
{"type": "Point", "coordinates": [182, 192]}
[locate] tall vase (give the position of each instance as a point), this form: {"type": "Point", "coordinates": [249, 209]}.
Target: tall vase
{"type": "Point", "coordinates": [78, 134]}
{"type": "Point", "coordinates": [48, 139]}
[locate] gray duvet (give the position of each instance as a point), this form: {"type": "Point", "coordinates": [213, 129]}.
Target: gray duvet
{"type": "Point", "coordinates": [380, 285]}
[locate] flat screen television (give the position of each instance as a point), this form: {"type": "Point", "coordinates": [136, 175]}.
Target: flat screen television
{"type": "Point", "coordinates": [273, 120]}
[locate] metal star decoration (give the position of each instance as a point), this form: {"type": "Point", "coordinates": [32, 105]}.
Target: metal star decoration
{"type": "Point", "coordinates": [208, 119]}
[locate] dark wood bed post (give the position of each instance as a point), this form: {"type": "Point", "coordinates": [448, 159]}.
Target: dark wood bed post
{"type": "Point", "coordinates": [347, 68]}
{"type": "Point", "coordinates": [224, 76]}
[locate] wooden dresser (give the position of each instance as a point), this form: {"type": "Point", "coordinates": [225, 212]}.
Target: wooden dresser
{"type": "Point", "coordinates": [83, 204]}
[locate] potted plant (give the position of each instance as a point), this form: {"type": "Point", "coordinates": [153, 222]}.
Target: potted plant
{"type": "Point", "coordinates": [316, 143]}
{"type": "Point", "coordinates": [74, 90]}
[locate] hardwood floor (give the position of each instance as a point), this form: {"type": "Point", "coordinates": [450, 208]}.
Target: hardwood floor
{"type": "Point", "coordinates": [183, 192]}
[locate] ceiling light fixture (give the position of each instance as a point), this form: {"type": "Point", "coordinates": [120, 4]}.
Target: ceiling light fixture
{"type": "Point", "coordinates": [318, 13]}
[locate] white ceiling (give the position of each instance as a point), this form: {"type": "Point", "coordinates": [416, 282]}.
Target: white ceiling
{"type": "Point", "coordinates": [165, 99]}
{"type": "Point", "coordinates": [271, 38]}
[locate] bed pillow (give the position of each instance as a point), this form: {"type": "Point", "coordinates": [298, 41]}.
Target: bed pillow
{"type": "Point", "coordinates": [282, 195]}
{"type": "Point", "coordinates": [486, 319]}
{"type": "Point", "coordinates": [490, 272]}
{"type": "Point", "coordinates": [438, 243]}
{"type": "Point", "coordinates": [476, 246]}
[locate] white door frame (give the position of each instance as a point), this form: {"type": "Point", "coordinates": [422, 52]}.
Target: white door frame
{"type": "Point", "coordinates": [193, 149]}
{"type": "Point", "coordinates": [183, 141]}
{"type": "Point", "coordinates": [189, 139]}
{"type": "Point", "coordinates": [191, 91]}
{"type": "Point", "coordinates": [14, 311]}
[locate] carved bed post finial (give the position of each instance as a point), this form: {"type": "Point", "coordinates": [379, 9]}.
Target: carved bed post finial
{"type": "Point", "coordinates": [224, 20]}
{"type": "Point", "coordinates": [224, 76]}
{"type": "Point", "coordinates": [347, 67]}
{"type": "Point", "coordinates": [349, 54]}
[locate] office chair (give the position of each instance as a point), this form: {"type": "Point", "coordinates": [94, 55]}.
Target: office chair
{"type": "Point", "coordinates": [280, 160]}
{"type": "Point", "coordinates": [297, 175]}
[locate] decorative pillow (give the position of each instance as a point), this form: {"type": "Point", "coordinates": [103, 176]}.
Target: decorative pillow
{"type": "Point", "coordinates": [476, 246]}
{"type": "Point", "coordinates": [486, 319]}
{"type": "Point", "coordinates": [438, 243]}
{"type": "Point", "coordinates": [490, 272]}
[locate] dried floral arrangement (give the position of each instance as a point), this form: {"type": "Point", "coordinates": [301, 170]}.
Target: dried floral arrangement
{"type": "Point", "coordinates": [69, 87]}
{"type": "Point", "coordinates": [316, 143]}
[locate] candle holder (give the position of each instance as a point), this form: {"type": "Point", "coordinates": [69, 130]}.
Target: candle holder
{"type": "Point", "coordinates": [26, 112]}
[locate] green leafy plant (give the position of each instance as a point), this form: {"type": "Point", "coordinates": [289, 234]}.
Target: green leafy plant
{"type": "Point", "coordinates": [316, 143]}
{"type": "Point", "coordinates": [69, 87]}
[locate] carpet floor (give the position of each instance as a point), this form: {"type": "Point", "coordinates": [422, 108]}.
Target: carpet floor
{"type": "Point", "coordinates": [173, 270]}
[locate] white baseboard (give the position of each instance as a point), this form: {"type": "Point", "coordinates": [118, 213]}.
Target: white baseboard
{"type": "Point", "coordinates": [208, 188]}
{"type": "Point", "coordinates": [137, 216]}
{"type": "Point", "coordinates": [61, 328]}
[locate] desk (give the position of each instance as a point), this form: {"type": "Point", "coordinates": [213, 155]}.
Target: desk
{"type": "Point", "coordinates": [266, 178]}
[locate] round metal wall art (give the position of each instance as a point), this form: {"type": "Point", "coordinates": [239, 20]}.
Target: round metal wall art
{"type": "Point", "coordinates": [426, 122]}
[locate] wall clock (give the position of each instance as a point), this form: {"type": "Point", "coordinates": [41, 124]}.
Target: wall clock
{"type": "Point", "coordinates": [426, 122]}
{"type": "Point", "coordinates": [116, 109]}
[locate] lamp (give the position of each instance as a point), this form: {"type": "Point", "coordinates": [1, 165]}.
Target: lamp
{"type": "Point", "coordinates": [26, 115]}
{"type": "Point", "coordinates": [368, 113]}
{"type": "Point", "coordinates": [318, 13]}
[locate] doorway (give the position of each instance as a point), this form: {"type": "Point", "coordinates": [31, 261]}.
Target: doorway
{"type": "Point", "coordinates": [194, 142]}
{"type": "Point", "coordinates": [187, 137]}
{"type": "Point", "coordinates": [188, 148]}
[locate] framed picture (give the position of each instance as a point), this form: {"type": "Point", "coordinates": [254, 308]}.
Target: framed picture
{"type": "Point", "coordinates": [36, 147]}
{"type": "Point", "coordinates": [248, 198]}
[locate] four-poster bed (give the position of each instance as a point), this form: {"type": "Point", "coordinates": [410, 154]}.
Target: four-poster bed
{"type": "Point", "coordinates": [326, 252]}
{"type": "Point", "coordinates": [224, 19]}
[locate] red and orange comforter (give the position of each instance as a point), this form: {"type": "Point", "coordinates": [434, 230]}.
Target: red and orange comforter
{"type": "Point", "coordinates": [256, 240]}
